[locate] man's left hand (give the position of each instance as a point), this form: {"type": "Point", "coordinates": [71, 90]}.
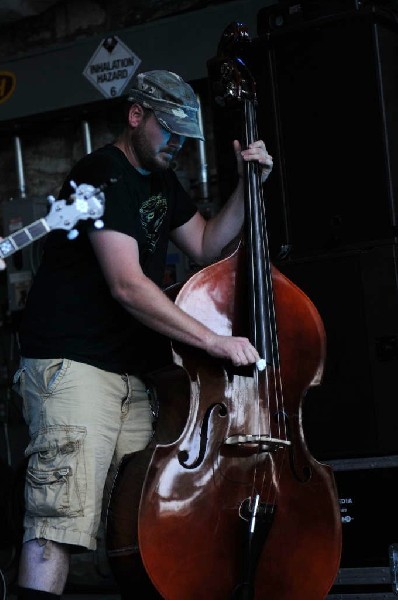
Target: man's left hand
{"type": "Point", "coordinates": [256, 152]}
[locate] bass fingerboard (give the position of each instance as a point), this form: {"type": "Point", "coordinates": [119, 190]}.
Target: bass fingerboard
{"type": "Point", "coordinates": [23, 237]}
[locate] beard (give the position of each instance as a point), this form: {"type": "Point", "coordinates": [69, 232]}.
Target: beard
{"type": "Point", "coordinates": [147, 158]}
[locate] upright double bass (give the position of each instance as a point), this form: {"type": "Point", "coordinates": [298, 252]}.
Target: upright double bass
{"type": "Point", "coordinates": [233, 506]}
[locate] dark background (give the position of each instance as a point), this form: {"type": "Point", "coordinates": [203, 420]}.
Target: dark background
{"type": "Point", "coordinates": [327, 89]}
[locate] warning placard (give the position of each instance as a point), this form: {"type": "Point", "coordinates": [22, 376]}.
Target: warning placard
{"type": "Point", "coordinates": [111, 67]}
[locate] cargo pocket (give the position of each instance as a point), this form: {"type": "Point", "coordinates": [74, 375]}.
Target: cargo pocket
{"type": "Point", "coordinates": [56, 473]}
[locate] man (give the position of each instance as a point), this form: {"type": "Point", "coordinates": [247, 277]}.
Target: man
{"type": "Point", "coordinates": [92, 317]}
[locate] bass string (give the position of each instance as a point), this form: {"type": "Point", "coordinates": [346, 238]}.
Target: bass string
{"type": "Point", "coordinates": [263, 319]}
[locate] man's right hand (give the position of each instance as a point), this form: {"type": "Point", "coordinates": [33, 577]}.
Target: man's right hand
{"type": "Point", "coordinates": [238, 350]}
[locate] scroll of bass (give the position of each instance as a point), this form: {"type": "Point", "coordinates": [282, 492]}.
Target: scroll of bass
{"type": "Point", "coordinates": [233, 505]}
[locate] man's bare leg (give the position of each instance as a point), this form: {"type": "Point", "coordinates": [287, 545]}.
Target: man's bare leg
{"type": "Point", "coordinates": [44, 565]}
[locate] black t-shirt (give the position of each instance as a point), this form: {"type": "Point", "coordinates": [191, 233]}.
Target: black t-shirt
{"type": "Point", "coordinates": [70, 312]}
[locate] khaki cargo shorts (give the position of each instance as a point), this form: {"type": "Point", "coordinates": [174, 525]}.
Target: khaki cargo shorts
{"type": "Point", "coordinates": [82, 421]}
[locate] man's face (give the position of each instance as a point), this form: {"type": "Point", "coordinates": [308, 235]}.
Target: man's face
{"type": "Point", "coordinates": [155, 147]}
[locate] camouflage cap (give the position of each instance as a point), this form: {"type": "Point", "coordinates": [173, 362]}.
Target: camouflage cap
{"type": "Point", "coordinates": [172, 100]}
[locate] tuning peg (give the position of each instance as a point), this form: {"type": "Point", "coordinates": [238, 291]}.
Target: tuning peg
{"type": "Point", "coordinates": [51, 199]}
{"type": "Point", "coordinates": [73, 184]}
{"type": "Point", "coordinates": [98, 224]}
{"type": "Point", "coordinates": [72, 234]}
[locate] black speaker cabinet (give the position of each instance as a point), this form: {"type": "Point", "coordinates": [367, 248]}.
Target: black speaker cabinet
{"type": "Point", "coordinates": [354, 412]}
{"type": "Point", "coordinates": [328, 91]}
{"type": "Point", "coordinates": [368, 498]}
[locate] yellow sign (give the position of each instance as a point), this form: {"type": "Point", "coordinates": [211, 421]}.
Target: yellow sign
{"type": "Point", "coordinates": [7, 85]}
